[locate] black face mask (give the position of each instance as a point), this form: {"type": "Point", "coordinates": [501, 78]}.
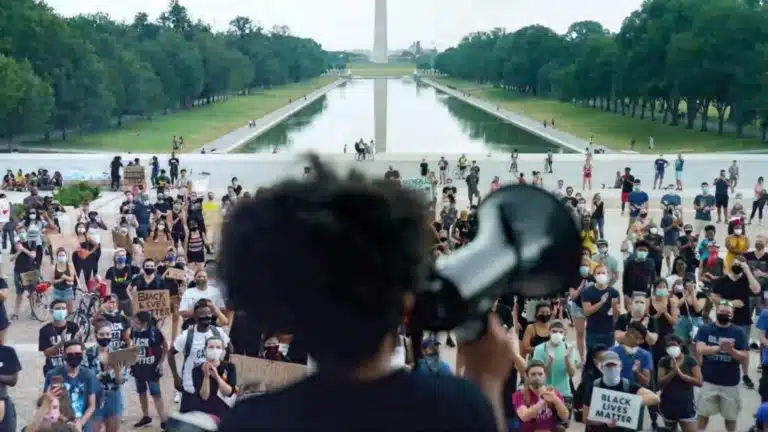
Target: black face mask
{"type": "Point", "coordinates": [543, 318]}
{"type": "Point", "coordinates": [73, 360]}
{"type": "Point", "coordinates": [149, 271]}
{"type": "Point", "coordinates": [736, 269]}
{"type": "Point", "coordinates": [180, 266]}
{"type": "Point", "coordinates": [723, 319]}
{"type": "Point", "coordinates": [104, 342]}
{"type": "Point", "coordinates": [204, 322]}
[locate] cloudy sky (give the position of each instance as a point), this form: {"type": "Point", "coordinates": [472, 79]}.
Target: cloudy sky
{"type": "Point", "coordinates": [348, 24]}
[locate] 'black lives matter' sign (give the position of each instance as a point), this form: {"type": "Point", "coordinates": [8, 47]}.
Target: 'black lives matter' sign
{"type": "Point", "coordinates": [156, 301]}
{"type": "Point", "coordinates": [607, 406]}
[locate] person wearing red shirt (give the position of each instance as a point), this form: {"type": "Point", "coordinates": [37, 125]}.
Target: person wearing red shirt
{"type": "Point", "coordinates": [538, 407]}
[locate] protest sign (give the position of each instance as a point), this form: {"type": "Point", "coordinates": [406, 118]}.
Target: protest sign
{"type": "Point", "coordinates": [122, 241]}
{"type": "Point", "coordinates": [175, 274]}
{"type": "Point", "coordinates": [273, 374]}
{"type": "Point", "coordinates": [156, 301]}
{"type": "Point", "coordinates": [609, 405]}
{"type": "Point", "coordinates": [124, 357]}
{"type": "Point", "coordinates": [133, 175]}
{"type": "Point", "coordinates": [156, 250]}
{"type": "Point", "coordinates": [69, 242]}
{"type": "Point", "coordinates": [30, 278]}
{"type": "Point", "coordinates": [420, 184]}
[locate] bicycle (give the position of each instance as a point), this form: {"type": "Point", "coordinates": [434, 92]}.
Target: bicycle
{"type": "Point", "coordinates": [87, 306]}
{"type": "Point", "coordinates": [40, 298]}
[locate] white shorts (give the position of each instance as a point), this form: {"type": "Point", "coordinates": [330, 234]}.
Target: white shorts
{"type": "Point", "coordinates": [716, 399]}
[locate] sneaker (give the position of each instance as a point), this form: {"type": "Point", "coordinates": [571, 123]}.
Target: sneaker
{"type": "Point", "coordinates": [748, 382]}
{"type": "Point", "coordinates": [164, 426]}
{"type": "Point", "coordinates": [144, 422]}
{"type": "Point", "coordinates": [177, 397]}
{"type": "Point", "coordinates": [753, 345]}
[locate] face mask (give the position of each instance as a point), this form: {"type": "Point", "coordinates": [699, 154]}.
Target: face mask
{"type": "Point", "coordinates": [556, 338]}
{"type": "Point", "coordinates": [81, 230]}
{"type": "Point", "coordinates": [149, 271]}
{"type": "Point", "coordinates": [638, 307]}
{"type": "Point", "coordinates": [61, 259]}
{"type": "Point", "coordinates": [213, 354]}
{"type": "Point", "coordinates": [602, 279]}
{"type": "Point", "coordinates": [642, 255]}
{"type": "Point", "coordinates": [738, 231]}
{"type": "Point", "coordinates": [120, 260]}
{"type": "Point", "coordinates": [705, 190]}
{"type": "Point", "coordinates": [662, 292]}
{"type": "Point", "coordinates": [636, 188]}
{"type": "Point", "coordinates": [736, 269]}
{"type": "Point", "coordinates": [123, 231]}
{"type": "Point", "coordinates": [32, 216]}
{"type": "Point", "coordinates": [584, 271]}
{"type": "Point", "coordinates": [759, 246]}
{"type": "Point", "coordinates": [543, 318]}
{"type": "Point", "coordinates": [161, 227]}
{"type": "Point", "coordinates": [688, 233]}
{"type": "Point", "coordinates": [103, 342]}
{"type": "Point", "coordinates": [611, 376]}
{"type": "Point", "coordinates": [630, 350]}
{"type": "Point", "coordinates": [73, 360]}
{"type": "Point", "coordinates": [723, 318]}
{"type": "Point", "coordinates": [181, 265]}
{"type": "Point", "coordinates": [171, 258]}
{"type": "Point", "coordinates": [201, 282]}
{"type": "Point", "coordinates": [673, 351]}
{"type": "Point", "coordinates": [23, 237]}
{"type": "Point", "coordinates": [204, 322]}
{"type": "Point", "coordinates": [536, 382]}
{"type": "Point", "coordinates": [59, 315]}
{"type": "Point", "coordinates": [603, 251]}
{"type": "Point", "coordinates": [654, 231]}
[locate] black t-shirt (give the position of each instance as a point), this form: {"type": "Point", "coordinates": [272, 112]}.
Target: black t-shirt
{"type": "Point", "coordinates": [119, 279]}
{"type": "Point", "coordinates": [688, 309]}
{"type": "Point", "coordinates": [632, 388]}
{"type": "Point", "coordinates": [24, 262]}
{"type": "Point", "coordinates": [119, 326]}
{"type": "Point", "coordinates": [677, 389]}
{"type": "Point", "coordinates": [424, 168]}
{"type": "Point", "coordinates": [161, 207]}
{"type": "Point", "coordinates": [655, 241]}
{"type": "Point", "coordinates": [49, 336]}
{"type": "Point", "coordinates": [171, 285]}
{"type": "Point", "coordinates": [623, 321]}
{"type": "Point", "coordinates": [237, 189]}
{"type": "Point", "coordinates": [214, 405]}
{"type": "Point", "coordinates": [602, 320]}
{"type": "Point", "coordinates": [141, 283]}
{"type": "Point", "coordinates": [150, 343]}
{"type": "Point", "coordinates": [128, 207]}
{"type": "Point", "coordinates": [449, 190]}
{"type": "Point", "coordinates": [738, 289]}
{"type": "Point", "coordinates": [637, 276]}
{"type": "Point", "coordinates": [9, 365]}
{"type": "Point", "coordinates": [173, 163]}
{"type": "Point", "coordinates": [400, 402]}
{"type": "Point", "coordinates": [627, 183]}
{"type": "Point", "coordinates": [760, 264]}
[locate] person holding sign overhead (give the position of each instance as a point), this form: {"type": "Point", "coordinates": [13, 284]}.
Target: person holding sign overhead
{"type": "Point", "coordinates": [540, 408]}
{"type": "Point", "coordinates": [110, 376]}
{"type": "Point", "coordinates": [602, 415]}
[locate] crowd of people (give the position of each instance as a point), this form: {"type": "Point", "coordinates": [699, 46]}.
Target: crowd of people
{"type": "Point", "coordinates": [677, 315]}
{"type": "Point", "coordinates": [40, 179]}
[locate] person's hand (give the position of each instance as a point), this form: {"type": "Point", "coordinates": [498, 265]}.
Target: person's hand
{"type": "Point", "coordinates": [550, 357]}
{"type": "Point", "coordinates": [604, 298]}
{"type": "Point", "coordinates": [675, 367]}
{"type": "Point", "coordinates": [490, 359]}
{"type": "Point", "coordinates": [738, 303]}
{"type": "Point", "coordinates": [549, 396]}
{"type": "Point", "coordinates": [177, 383]}
{"type": "Point", "coordinates": [77, 425]}
{"type": "Point", "coordinates": [213, 372]}
{"type": "Point", "coordinates": [636, 366]}
{"type": "Point", "coordinates": [569, 353]}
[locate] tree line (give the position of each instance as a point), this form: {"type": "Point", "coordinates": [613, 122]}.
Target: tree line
{"type": "Point", "coordinates": [90, 72]}
{"type": "Point", "coordinates": [671, 61]}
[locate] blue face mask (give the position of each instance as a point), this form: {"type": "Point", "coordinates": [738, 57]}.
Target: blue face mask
{"type": "Point", "coordinates": [120, 260]}
{"type": "Point", "coordinates": [584, 271]}
{"type": "Point", "coordinates": [59, 315]}
{"type": "Point", "coordinates": [642, 255]}
{"type": "Point", "coordinates": [611, 376]}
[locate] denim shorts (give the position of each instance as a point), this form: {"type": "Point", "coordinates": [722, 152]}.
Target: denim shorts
{"type": "Point", "coordinates": [575, 310]}
{"type": "Point", "coordinates": [143, 385]}
{"type": "Point", "coordinates": [64, 294]}
{"type": "Point", "coordinates": [111, 405]}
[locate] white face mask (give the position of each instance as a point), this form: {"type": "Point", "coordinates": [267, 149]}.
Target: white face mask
{"type": "Point", "coordinates": [602, 279]}
{"type": "Point", "coordinates": [738, 231]}
{"type": "Point", "coordinates": [61, 259]}
{"type": "Point", "coordinates": [213, 354]}
{"type": "Point", "coordinates": [654, 230]}
{"type": "Point", "coordinates": [603, 251]}
{"type": "Point", "coordinates": [673, 351]}
{"type": "Point", "coordinates": [638, 307]}
{"type": "Point", "coordinates": [556, 338]}
{"type": "Point", "coordinates": [630, 350]}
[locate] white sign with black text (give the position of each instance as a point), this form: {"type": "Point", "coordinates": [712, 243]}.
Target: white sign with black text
{"type": "Point", "coordinates": [609, 405]}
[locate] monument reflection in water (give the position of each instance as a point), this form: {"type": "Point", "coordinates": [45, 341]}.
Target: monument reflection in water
{"type": "Point", "coordinates": [402, 116]}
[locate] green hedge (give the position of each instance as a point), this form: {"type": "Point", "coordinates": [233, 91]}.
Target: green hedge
{"type": "Point", "coordinates": [74, 194]}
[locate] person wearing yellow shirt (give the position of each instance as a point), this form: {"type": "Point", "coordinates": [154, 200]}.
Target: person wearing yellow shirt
{"type": "Point", "coordinates": [589, 236]}
{"type": "Point", "coordinates": [736, 243]}
{"type": "Point", "coordinates": [212, 217]}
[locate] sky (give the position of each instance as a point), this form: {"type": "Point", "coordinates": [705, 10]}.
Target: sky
{"type": "Point", "coordinates": [348, 24]}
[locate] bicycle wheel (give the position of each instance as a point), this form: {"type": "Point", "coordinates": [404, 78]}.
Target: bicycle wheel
{"type": "Point", "coordinates": [40, 304]}
{"type": "Point", "coordinates": [83, 325]}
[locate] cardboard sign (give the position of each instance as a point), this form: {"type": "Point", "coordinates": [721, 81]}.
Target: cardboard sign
{"type": "Point", "coordinates": [609, 405]}
{"type": "Point", "coordinates": [176, 274]}
{"type": "Point", "coordinates": [124, 357]}
{"type": "Point", "coordinates": [133, 175]}
{"type": "Point", "coordinates": [69, 242]}
{"type": "Point", "coordinates": [122, 241]}
{"type": "Point", "coordinates": [156, 250]}
{"type": "Point", "coordinates": [420, 184]}
{"type": "Point", "coordinates": [273, 374]}
{"type": "Point", "coordinates": [156, 301]}
{"type": "Point", "coordinates": [30, 278]}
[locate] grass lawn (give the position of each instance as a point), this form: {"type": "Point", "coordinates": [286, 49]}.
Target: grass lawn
{"type": "Point", "coordinates": [611, 130]}
{"type": "Point", "coordinates": [198, 126]}
{"type": "Point", "coordinates": [379, 69]}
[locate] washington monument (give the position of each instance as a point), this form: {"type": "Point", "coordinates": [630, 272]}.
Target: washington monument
{"type": "Point", "coordinates": [380, 50]}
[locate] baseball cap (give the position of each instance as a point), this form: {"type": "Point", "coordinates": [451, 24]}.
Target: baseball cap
{"type": "Point", "coordinates": [429, 343]}
{"type": "Point", "coordinates": [611, 357]}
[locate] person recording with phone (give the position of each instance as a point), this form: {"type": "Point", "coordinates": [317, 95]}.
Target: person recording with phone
{"type": "Point", "coordinates": [362, 250]}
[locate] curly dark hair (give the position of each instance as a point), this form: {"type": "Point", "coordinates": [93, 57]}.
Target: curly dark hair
{"type": "Point", "coordinates": [327, 256]}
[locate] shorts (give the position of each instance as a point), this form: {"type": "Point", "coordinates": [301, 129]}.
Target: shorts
{"type": "Point", "coordinates": [624, 197]}
{"type": "Point", "coordinates": [575, 310]}
{"type": "Point", "coordinates": [153, 386]}
{"type": "Point", "coordinates": [698, 225]}
{"type": "Point", "coordinates": [716, 399]}
{"type": "Point", "coordinates": [66, 295]}
{"type": "Point", "coordinates": [675, 409]}
{"type": "Point", "coordinates": [659, 175]}
{"type": "Point", "coordinates": [594, 338]}
{"type": "Point", "coordinates": [196, 256]}
{"type": "Point", "coordinates": [9, 422]}
{"type": "Point", "coordinates": [17, 282]}
{"type": "Point", "coordinates": [670, 250]}
{"type": "Point", "coordinates": [111, 405]}
{"type": "Point", "coordinates": [678, 175]}
{"type": "Point", "coordinates": [721, 201]}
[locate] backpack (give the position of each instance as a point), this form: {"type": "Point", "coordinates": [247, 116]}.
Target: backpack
{"type": "Point", "coordinates": [191, 337]}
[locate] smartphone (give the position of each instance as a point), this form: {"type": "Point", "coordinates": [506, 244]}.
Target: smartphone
{"type": "Point", "coordinates": [57, 380]}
